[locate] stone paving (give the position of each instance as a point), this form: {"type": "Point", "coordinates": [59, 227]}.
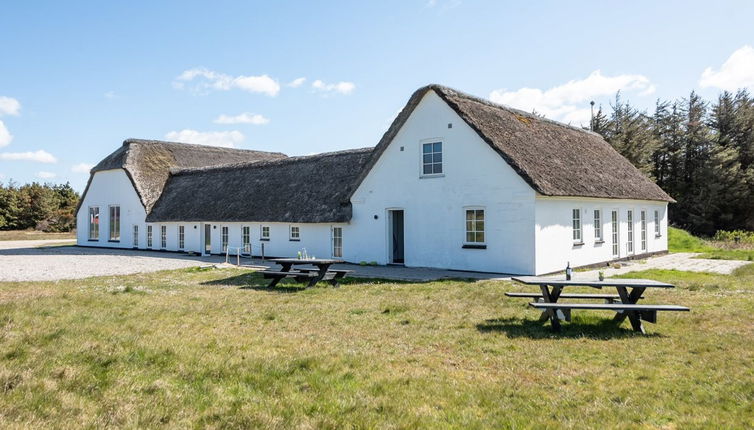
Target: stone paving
{"type": "Point", "coordinates": [678, 261]}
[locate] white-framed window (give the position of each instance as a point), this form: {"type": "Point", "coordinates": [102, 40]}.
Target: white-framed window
{"type": "Point", "coordinates": [337, 242]}
{"type": "Point", "coordinates": [246, 236]}
{"type": "Point", "coordinates": [136, 236]}
{"type": "Point", "coordinates": [264, 232]}
{"type": "Point", "coordinates": [576, 226]}
{"type": "Point", "coordinates": [614, 232]}
{"type": "Point", "coordinates": [598, 225]}
{"type": "Point", "coordinates": [294, 233]}
{"type": "Point", "coordinates": [149, 236]}
{"type": "Point", "coordinates": [93, 223]}
{"type": "Point", "coordinates": [163, 236]}
{"type": "Point", "coordinates": [114, 223]}
{"type": "Point", "coordinates": [181, 237]}
{"type": "Point", "coordinates": [658, 231]}
{"type": "Point", "coordinates": [630, 222]}
{"type": "Point", "coordinates": [475, 226]}
{"type": "Point", "coordinates": [224, 230]}
{"type": "Point", "coordinates": [431, 158]}
{"type": "Point", "coordinates": [643, 230]}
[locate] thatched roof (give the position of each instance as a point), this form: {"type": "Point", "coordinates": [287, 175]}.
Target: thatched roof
{"type": "Point", "coordinates": [148, 163]}
{"type": "Point", "coordinates": [310, 189]}
{"type": "Point", "coordinates": [555, 159]}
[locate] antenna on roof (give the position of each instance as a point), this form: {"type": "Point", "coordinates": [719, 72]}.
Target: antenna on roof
{"type": "Point", "coordinates": [591, 121]}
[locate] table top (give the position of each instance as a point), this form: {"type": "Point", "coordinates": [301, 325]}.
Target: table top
{"type": "Point", "coordinates": [314, 261]}
{"type": "Point", "coordinates": [538, 280]}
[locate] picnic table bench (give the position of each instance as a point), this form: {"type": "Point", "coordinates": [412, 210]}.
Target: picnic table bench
{"type": "Point", "coordinates": [552, 291]}
{"type": "Point", "coordinates": [310, 276]}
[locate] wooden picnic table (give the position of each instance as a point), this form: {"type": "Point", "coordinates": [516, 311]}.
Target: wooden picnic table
{"type": "Point", "coordinates": [552, 289]}
{"type": "Point", "coordinates": [313, 276]}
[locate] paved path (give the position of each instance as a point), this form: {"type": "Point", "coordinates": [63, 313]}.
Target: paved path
{"type": "Point", "coordinates": [679, 261]}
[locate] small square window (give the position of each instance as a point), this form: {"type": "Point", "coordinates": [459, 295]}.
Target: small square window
{"type": "Point", "coordinates": [432, 158]}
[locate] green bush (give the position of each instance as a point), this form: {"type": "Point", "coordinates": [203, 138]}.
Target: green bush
{"type": "Point", "coordinates": [736, 236]}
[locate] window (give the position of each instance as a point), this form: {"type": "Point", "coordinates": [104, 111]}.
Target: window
{"type": "Point", "coordinates": [643, 230]}
{"type": "Point", "coordinates": [577, 226]}
{"type": "Point", "coordinates": [337, 241]}
{"type": "Point", "coordinates": [225, 239]}
{"type": "Point", "coordinates": [149, 236]}
{"type": "Point", "coordinates": [163, 236]}
{"type": "Point", "coordinates": [657, 224]}
{"type": "Point", "coordinates": [94, 223]}
{"type": "Point", "coordinates": [295, 233]}
{"type": "Point", "coordinates": [114, 223]}
{"type": "Point", "coordinates": [181, 237]}
{"type": "Point", "coordinates": [264, 233]}
{"type": "Point", "coordinates": [630, 244]}
{"type": "Point", "coordinates": [598, 225]}
{"type": "Point", "coordinates": [475, 226]}
{"type": "Point", "coordinates": [136, 236]}
{"type": "Point", "coordinates": [246, 234]}
{"type": "Point", "coordinates": [614, 232]}
{"type": "Point", "coordinates": [432, 158]}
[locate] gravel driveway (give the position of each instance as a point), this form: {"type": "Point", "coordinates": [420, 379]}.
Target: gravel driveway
{"type": "Point", "coordinates": [41, 260]}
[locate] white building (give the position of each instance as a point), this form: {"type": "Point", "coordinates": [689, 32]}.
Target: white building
{"type": "Point", "coordinates": [456, 182]}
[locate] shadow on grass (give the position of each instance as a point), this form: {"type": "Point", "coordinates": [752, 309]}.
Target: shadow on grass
{"type": "Point", "coordinates": [600, 329]}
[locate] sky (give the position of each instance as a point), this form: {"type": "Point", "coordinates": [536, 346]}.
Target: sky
{"type": "Point", "coordinates": [301, 77]}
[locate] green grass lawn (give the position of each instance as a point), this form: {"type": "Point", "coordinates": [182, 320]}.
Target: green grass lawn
{"type": "Point", "coordinates": [192, 348]}
{"type": "Point", "coordinates": [34, 235]}
{"type": "Point", "coordinates": [683, 241]}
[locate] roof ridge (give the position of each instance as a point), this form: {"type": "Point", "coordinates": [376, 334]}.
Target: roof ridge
{"type": "Point", "coordinates": [132, 140]}
{"type": "Point", "coordinates": [453, 91]}
{"type": "Point", "coordinates": [265, 163]}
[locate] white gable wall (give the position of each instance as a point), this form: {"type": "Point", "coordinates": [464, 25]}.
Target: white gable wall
{"type": "Point", "coordinates": [111, 187]}
{"type": "Point", "coordinates": [434, 208]}
{"type": "Point", "coordinates": [554, 231]}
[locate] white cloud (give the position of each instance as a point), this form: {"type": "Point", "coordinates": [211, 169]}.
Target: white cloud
{"type": "Point", "coordinates": [339, 87]}
{"type": "Point", "coordinates": [227, 139]}
{"type": "Point", "coordinates": [244, 118]}
{"type": "Point", "coordinates": [5, 136]}
{"type": "Point", "coordinates": [110, 95]}
{"type": "Point", "coordinates": [45, 175]}
{"type": "Point", "coordinates": [9, 106]}
{"type": "Point", "coordinates": [211, 80]}
{"type": "Point", "coordinates": [81, 168]}
{"type": "Point", "coordinates": [569, 102]}
{"type": "Point", "coordinates": [39, 156]}
{"type": "Point", "coordinates": [736, 72]}
{"type": "Point", "coordinates": [296, 82]}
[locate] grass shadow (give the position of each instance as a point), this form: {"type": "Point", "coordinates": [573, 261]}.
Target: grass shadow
{"type": "Point", "coordinates": [598, 329]}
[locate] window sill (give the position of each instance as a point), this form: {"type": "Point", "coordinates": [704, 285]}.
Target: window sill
{"type": "Point", "coordinates": [474, 246]}
{"type": "Point", "coordinates": [658, 235]}
{"type": "Point", "coordinates": [92, 240]}
{"type": "Point", "coordinates": [599, 242]}
{"type": "Point", "coordinates": [578, 244]}
{"type": "Point", "coordinates": [294, 240]}
{"type": "Point", "coordinates": [434, 175]}
{"type": "Point", "coordinates": [265, 240]}
{"type": "Point", "coordinates": [114, 241]}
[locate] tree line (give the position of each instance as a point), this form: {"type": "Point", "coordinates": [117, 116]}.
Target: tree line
{"type": "Point", "coordinates": [700, 152]}
{"type": "Point", "coordinates": [44, 207]}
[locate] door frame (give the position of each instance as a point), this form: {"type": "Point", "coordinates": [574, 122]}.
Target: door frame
{"type": "Point", "coordinates": [389, 235]}
{"type": "Point", "coordinates": [205, 239]}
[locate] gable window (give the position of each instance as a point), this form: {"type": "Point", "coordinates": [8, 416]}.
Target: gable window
{"type": "Point", "coordinates": [94, 223]}
{"type": "Point", "coordinates": [475, 226]}
{"type": "Point", "coordinates": [432, 158]}
{"type": "Point", "coordinates": [136, 236]}
{"type": "Point", "coordinates": [577, 226]}
{"type": "Point", "coordinates": [181, 237]}
{"type": "Point", "coordinates": [643, 230]}
{"type": "Point", "coordinates": [295, 233]}
{"type": "Point", "coordinates": [114, 223]}
{"type": "Point", "coordinates": [630, 221]}
{"type": "Point", "coordinates": [149, 236]}
{"type": "Point", "coordinates": [337, 241]}
{"type": "Point", "coordinates": [657, 224]}
{"type": "Point", "coordinates": [598, 225]}
{"type": "Point", "coordinates": [246, 236]}
{"type": "Point", "coordinates": [225, 238]}
{"type": "Point", "coordinates": [264, 232]}
{"type": "Point", "coordinates": [163, 236]}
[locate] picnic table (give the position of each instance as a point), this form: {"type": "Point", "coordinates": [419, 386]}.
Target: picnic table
{"type": "Point", "coordinates": [629, 293]}
{"type": "Point", "coordinates": [321, 272]}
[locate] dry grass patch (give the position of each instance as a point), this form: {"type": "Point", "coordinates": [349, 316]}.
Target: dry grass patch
{"type": "Point", "coordinates": [210, 348]}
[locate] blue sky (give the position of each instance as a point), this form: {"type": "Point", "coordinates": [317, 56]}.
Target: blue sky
{"type": "Point", "coordinates": [77, 78]}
